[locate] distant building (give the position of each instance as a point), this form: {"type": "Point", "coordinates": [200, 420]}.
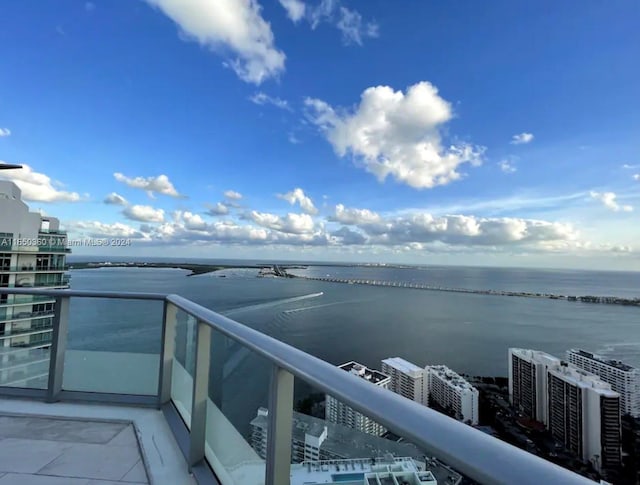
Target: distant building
{"type": "Point", "coordinates": [624, 379]}
{"type": "Point", "coordinates": [315, 439]}
{"type": "Point", "coordinates": [407, 379]}
{"type": "Point", "coordinates": [363, 472]}
{"type": "Point", "coordinates": [528, 381]}
{"type": "Point", "coordinates": [339, 413]}
{"type": "Point", "coordinates": [451, 392]}
{"type": "Point", "coordinates": [33, 253]}
{"type": "Point", "coordinates": [584, 415]}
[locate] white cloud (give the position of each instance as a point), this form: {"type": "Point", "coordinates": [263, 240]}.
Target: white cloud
{"type": "Point", "coordinates": [219, 209]}
{"type": "Point", "coordinates": [5, 132]}
{"type": "Point", "coordinates": [636, 177]}
{"type": "Point", "coordinates": [37, 186]}
{"type": "Point", "coordinates": [353, 216]}
{"type": "Point", "coordinates": [191, 221]}
{"type": "Point", "coordinates": [293, 139]}
{"type": "Point", "coordinates": [99, 229]}
{"type": "Point", "coordinates": [144, 213]}
{"type": "Point", "coordinates": [522, 138]}
{"type": "Point", "coordinates": [291, 223]}
{"type": "Point", "coordinates": [151, 185]}
{"type": "Point", "coordinates": [608, 199]}
{"type": "Point", "coordinates": [507, 166]}
{"type": "Point", "coordinates": [453, 230]}
{"type": "Point", "coordinates": [397, 134]}
{"type": "Point", "coordinates": [295, 9]}
{"type": "Point", "coordinates": [298, 195]}
{"type": "Point", "coordinates": [115, 199]}
{"type": "Point", "coordinates": [349, 22]}
{"type": "Point", "coordinates": [262, 99]}
{"type": "Point", "coordinates": [234, 26]}
{"type": "Point", "coordinates": [233, 195]}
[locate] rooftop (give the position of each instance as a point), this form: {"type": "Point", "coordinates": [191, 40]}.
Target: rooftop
{"type": "Point", "coordinates": [363, 371]}
{"type": "Point", "coordinates": [362, 472]}
{"type": "Point", "coordinates": [453, 378]}
{"type": "Point", "coordinates": [403, 365]}
{"type": "Point", "coordinates": [536, 355]}
{"type": "Point", "coordinates": [582, 378]}
{"type": "Point", "coordinates": [603, 360]}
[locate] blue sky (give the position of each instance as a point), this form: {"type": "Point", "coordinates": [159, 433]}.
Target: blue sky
{"type": "Point", "coordinates": [424, 132]}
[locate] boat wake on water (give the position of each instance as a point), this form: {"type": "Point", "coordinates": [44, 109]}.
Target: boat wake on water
{"type": "Point", "coordinates": [270, 304]}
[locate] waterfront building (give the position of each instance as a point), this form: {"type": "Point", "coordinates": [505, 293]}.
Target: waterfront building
{"type": "Point", "coordinates": [339, 413]}
{"type": "Point", "coordinates": [624, 379]}
{"type": "Point", "coordinates": [584, 415]}
{"type": "Point", "coordinates": [528, 382]}
{"type": "Point", "coordinates": [451, 392]}
{"type": "Point", "coordinates": [33, 253]}
{"type": "Point", "coordinates": [407, 379]}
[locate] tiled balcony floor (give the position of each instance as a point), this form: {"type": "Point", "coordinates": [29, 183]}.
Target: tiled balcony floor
{"type": "Point", "coordinates": [99, 448]}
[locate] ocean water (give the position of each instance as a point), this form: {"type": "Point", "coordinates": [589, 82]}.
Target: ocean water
{"type": "Point", "coordinates": [337, 322]}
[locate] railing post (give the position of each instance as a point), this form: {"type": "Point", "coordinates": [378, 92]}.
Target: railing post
{"type": "Point", "coordinates": [169, 322]}
{"type": "Point", "coordinates": [279, 430]}
{"type": "Point", "coordinates": [200, 393]}
{"type": "Point", "coordinates": [58, 348]}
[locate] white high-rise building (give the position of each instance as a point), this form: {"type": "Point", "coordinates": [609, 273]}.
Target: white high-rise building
{"type": "Point", "coordinates": [452, 393]}
{"type": "Point", "coordinates": [528, 381]}
{"type": "Point", "coordinates": [584, 415]}
{"type": "Point", "coordinates": [339, 413]}
{"type": "Point", "coordinates": [32, 254]}
{"type": "Point", "coordinates": [407, 379]}
{"type": "Point", "coordinates": [624, 379]}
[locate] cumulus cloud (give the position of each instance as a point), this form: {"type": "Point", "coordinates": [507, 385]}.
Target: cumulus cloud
{"type": "Point", "coordinates": [37, 186]}
{"type": "Point", "coordinates": [190, 220]}
{"type": "Point", "coordinates": [453, 230]}
{"type": "Point", "coordinates": [151, 185]}
{"type": "Point", "coordinates": [219, 209]}
{"type": "Point", "coordinates": [233, 195]}
{"type": "Point", "coordinates": [295, 9]}
{"type": "Point", "coordinates": [144, 213]}
{"type": "Point", "coordinates": [100, 229]}
{"type": "Point", "coordinates": [115, 199]}
{"type": "Point", "coordinates": [507, 166]}
{"type": "Point", "coordinates": [522, 138]}
{"type": "Point", "coordinates": [5, 132]}
{"type": "Point", "coordinates": [608, 199]}
{"type": "Point", "coordinates": [234, 26]}
{"type": "Point", "coordinates": [352, 216]}
{"type": "Point", "coordinates": [297, 195]}
{"type": "Point", "coordinates": [291, 223]}
{"type": "Point", "coordinates": [349, 22]}
{"type": "Point", "coordinates": [262, 99]}
{"type": "Point", "coordinates": [397, 134]}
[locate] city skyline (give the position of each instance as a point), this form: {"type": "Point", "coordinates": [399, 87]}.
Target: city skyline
{"type": "Point", "coordinates": [295, 130]}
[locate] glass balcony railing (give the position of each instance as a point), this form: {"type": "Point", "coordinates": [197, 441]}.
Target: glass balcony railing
{"type": "Point", "coordinates": [23, 300]}
{"type": "Point", "coordinates": [5, 316]}
{"type": "Point", "coordinates": [53, 248]}
{"type": "Point", "coordinates": [34, 269]}
{"type": "Point", "coordinates": [227, 392]}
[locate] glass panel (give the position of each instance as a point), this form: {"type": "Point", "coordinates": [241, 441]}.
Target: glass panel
{"type": "Point", "coordinates": [184, 365]}
{"type": "Point", "coordinates": [25, 341]}
{"type": "Point", "coordinates": [113, 346]}
{"type": "Point", "coordinates": [237, 414]}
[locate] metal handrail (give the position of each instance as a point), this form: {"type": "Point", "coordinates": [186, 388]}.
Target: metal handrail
{"type": "Point", "coordinates": [470, 451]}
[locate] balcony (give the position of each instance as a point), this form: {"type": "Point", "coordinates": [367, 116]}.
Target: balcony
{"type": "Point", "coordinates": [34, 269]}
{"type": "Point", "coordinates": [54, 248]}
{"type": "Point", "coordinates": [191, 383]}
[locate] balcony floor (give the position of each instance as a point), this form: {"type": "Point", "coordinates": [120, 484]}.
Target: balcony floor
{"type": "Point", "coordinates": [86, 444]}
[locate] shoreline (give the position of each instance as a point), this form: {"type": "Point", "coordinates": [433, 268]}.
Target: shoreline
{"type": "Point", "coordinates": [195, 269]}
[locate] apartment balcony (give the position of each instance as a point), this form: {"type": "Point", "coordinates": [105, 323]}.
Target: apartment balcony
{"type": "Point", "coordinates": [21, 300]}
{"type": "Point", "coordinates": [35, 269]}
{"type": "Point", "coordinates": [174, 408]}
